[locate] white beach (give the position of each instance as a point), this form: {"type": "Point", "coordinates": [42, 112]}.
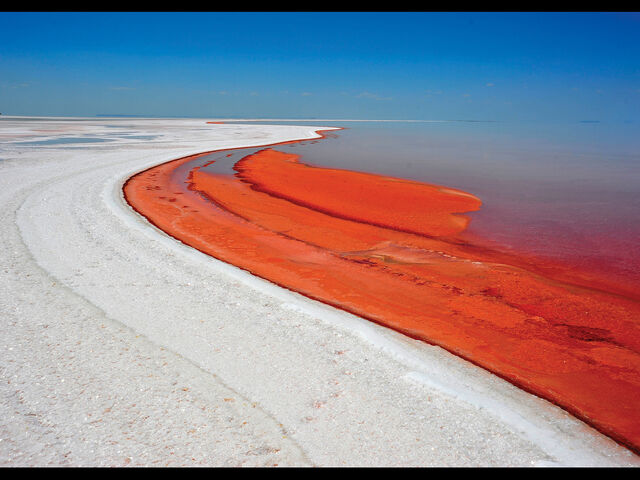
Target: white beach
{"type": "Point", "coordinates": [123, 347]}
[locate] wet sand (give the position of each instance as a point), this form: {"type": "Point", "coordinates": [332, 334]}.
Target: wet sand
{"type": "Point", "coordinates": [124, 346]}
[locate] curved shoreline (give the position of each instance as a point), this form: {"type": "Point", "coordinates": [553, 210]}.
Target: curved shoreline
{"type": "Point", "coordinates": [178, 303]}
{"type": "Point", "coordinates": [517, 378]}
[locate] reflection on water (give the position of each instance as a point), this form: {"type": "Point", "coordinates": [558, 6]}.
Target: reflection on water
{"type": "Point", "coordinates": [76, 140]}
{"type": "Point", "coordinates": [140, 137]}
{"type": "Point", "coordinates": [66, 140]}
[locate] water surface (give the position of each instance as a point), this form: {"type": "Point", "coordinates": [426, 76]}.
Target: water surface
{"type": "Point", "coordinates": [569, 192]}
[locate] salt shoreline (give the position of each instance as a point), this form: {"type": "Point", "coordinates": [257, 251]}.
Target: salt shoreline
{"type": "Point", "coordinates": [315, 385]}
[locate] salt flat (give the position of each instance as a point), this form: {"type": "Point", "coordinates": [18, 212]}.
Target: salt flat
{"type": "Point", "coordinates": [122, 346]}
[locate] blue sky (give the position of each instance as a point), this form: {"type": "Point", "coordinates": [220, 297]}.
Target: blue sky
{"type": "Point", "coordinates": [482, 66]}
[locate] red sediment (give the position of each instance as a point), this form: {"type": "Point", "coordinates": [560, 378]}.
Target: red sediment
{"type": "Point", "coordinates": [389, 250]}
{"type": "Point", "coordinates": [393, 203]}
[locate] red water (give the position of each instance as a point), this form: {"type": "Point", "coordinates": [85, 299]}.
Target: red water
{"type": "Point", "coordinates": [396, 252]}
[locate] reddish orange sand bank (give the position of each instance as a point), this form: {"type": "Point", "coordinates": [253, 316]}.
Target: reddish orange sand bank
{"type": "Point", "coordinates": [389, 250]}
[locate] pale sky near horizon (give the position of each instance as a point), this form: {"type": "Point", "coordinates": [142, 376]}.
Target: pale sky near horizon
{"type": "Point", "coordinates": [391, 65]}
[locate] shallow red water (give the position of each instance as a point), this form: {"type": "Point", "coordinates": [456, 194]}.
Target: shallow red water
{"type": "Point", "coordinates": [396, 252]}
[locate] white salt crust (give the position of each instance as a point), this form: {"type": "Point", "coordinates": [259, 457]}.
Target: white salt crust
{"type": "Point", "coordinates": [122, 346]}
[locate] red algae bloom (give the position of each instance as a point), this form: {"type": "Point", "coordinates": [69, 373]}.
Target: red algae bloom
{"type": "Point", "coordinates": [390, 250]}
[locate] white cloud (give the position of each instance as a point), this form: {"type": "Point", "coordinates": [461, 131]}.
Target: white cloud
{"type": "Point", "coordinates": [372, 96]}
{"type": "Point", "coordinates": [16, 85]}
